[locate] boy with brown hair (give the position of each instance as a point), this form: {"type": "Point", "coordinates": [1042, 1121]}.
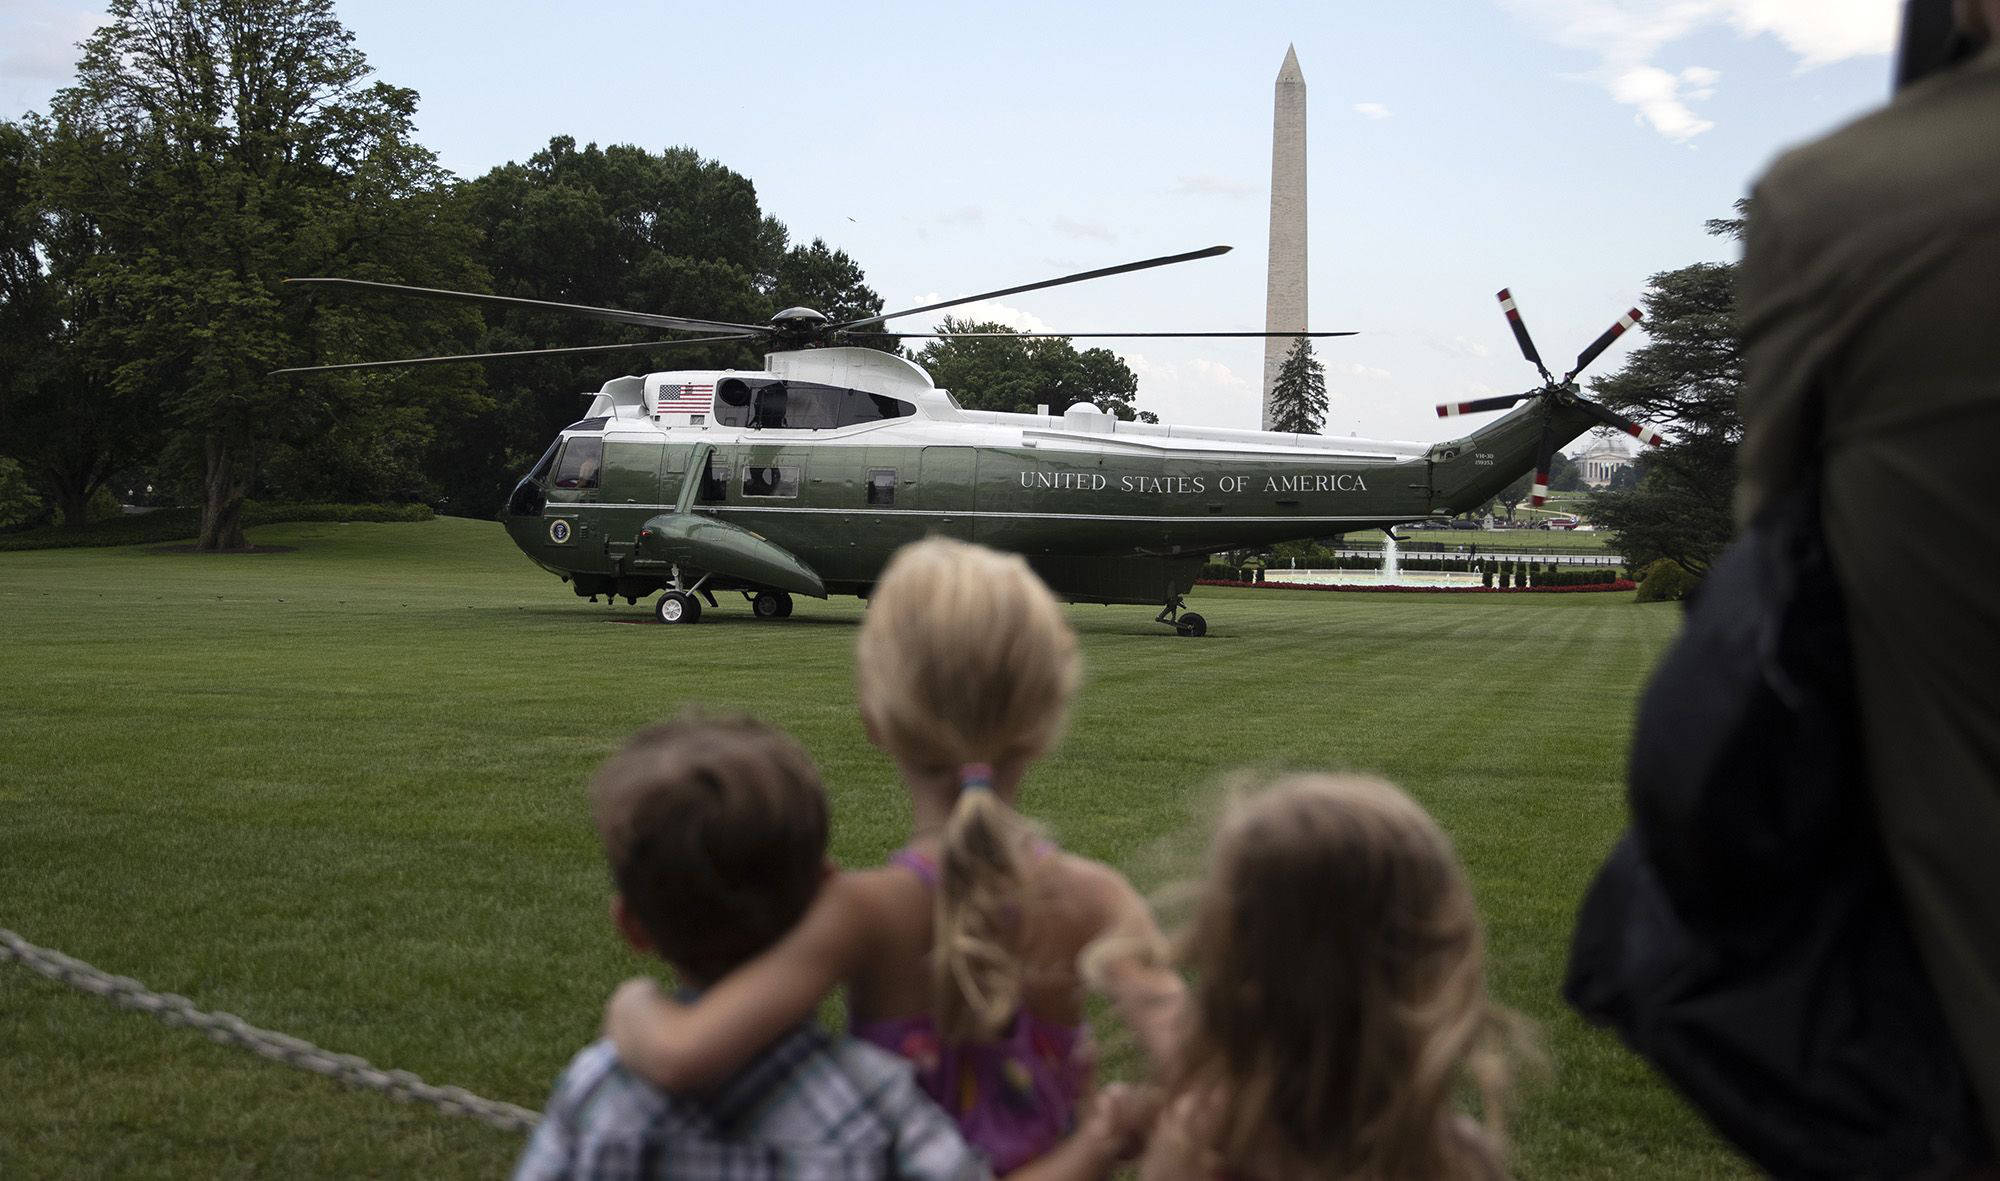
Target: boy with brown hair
{"type": "Point", "coordinates": [716, 830]}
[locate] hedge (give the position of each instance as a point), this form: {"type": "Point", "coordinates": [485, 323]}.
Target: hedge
{"type": "Point", "coordinates": [181, 524]}
{"type": "Point", "coordinates": [1621, 584]}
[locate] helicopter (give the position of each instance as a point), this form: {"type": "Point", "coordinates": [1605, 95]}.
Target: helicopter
{"type": "Point", "coordinates": [802, 478]}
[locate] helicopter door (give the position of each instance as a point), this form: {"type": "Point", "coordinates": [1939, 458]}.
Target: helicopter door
{"type": "Point", "coordinates": [946, 489]}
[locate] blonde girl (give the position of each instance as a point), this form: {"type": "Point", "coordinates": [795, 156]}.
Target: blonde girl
{"type": "Point", "coordinates": [960, 954]}
{"type": "Point", "coordinates": [1337, 998]}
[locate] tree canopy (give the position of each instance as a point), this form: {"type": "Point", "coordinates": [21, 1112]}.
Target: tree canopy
{"type": "Point", "coordinates": [218, 146]}
{"type": "Point", "coordinates": [1688, 378]}
{"type": "Point", "coordinates": [1298, 397]}
{"type": "Point", "coordinates": [1015, 373]}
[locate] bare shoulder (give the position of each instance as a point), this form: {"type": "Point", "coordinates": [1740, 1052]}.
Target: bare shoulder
{"type": "Point", "coordinates": [882, 898]}
{"type": "Point", "coordinates": [1100, 893]}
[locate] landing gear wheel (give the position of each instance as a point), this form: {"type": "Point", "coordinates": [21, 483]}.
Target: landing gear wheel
{"type": "Point", "coordinates": [677, 607]}
{"type": "Point", "coordinates": [1190, 624]}
{"type": "Point", "coordinates": [771, 605]}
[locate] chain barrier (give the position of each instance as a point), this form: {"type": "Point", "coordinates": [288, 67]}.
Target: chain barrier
{"type": "Point", "coordinates": [230, 1030]}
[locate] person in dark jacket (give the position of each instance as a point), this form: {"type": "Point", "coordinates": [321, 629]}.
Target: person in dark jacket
{"type": "Point", "coordinates": [1871, 302]}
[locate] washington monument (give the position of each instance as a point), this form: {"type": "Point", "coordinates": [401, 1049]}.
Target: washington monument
{"type": "Point", "coordinates": [1285, 290]}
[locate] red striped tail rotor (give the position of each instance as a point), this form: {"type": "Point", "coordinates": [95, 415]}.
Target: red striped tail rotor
{"type": "Point", "coordinates": [1453, 409]}
{"type": "Point", "coordinates": [1611, 418]}
{"type": "Point", "coordinates": [1603, 342]}
{"type": "Point", "coordinates": [1521, 336]}
{"type": "Point", "coordinates": [1545, 457]}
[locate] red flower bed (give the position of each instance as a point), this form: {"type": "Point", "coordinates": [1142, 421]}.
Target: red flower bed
{"type": "Point", "coordinates": [1623, 584]}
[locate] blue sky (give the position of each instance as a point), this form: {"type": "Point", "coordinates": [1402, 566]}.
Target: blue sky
{"type": "Point", "coordinates": [1565, 148]}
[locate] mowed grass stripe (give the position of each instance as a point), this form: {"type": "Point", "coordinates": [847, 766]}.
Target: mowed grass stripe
{"type": "Point", "coordinates": [338, 792]}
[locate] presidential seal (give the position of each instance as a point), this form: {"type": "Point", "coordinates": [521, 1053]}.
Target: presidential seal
{"type": "Point", "coordinates": [559, 531]}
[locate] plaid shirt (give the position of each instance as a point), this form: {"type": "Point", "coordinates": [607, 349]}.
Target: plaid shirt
{"type": "Point", "coordinates": [810, 1107]}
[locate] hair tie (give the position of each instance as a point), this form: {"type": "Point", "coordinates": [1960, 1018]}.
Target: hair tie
{"type": "Point", "coordinates": [975, 777]}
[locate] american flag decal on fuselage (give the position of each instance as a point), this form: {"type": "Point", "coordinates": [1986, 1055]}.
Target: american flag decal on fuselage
{"type": "Point", "coordinates": [684, 399]}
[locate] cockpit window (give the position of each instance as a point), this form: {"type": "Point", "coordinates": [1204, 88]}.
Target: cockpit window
{"type": "Point", "coordinates": [582, 462]}
{"type": "Point", "coordinates": [587, 424]}
{"type": "Point", "coordinates": [771, 404]}
{"type": "Point", "coordinates": [547, 461]}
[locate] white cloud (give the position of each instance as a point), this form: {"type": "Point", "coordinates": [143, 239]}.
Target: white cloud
{"type": "Point", "coordinates": [1197, 390]}
{"type": "Point", "coordinates": [1457, 346]}
{"type": "Point", "coordinates": [1820, 32]}
{"type": "Point", "coordinates": [1629, 36]}
{"type": "Point", "coordinates": [993, 310]}
{"type": "Point", "coordinates": [1365, 371]}
{"type": "Point", "coordinates": [1094, 231]}
{"type": "Point", "coordinates": [1371, 110]}
{"type": "Point", "coordinates": [1214, 186]}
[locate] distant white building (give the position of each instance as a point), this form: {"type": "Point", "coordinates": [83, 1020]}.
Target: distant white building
{"type": "Point", "coordinates": [1604, 458]}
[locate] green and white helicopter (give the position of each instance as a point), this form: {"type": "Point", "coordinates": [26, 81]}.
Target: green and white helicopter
{"type": "Point", "coordinates": [802, 478]}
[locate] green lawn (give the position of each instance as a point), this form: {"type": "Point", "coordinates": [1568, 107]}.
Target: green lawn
{"type": "Point", "coordinates": [337, 792]}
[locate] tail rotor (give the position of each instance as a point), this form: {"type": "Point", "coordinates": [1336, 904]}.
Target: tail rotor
{"type": "Point", "coordinates": [1563, 390]}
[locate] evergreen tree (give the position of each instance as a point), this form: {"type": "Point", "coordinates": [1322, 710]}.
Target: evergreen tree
{"type": "Point", "coordinates": [1298, 399]}
{"type": "Point", "coordinates": [1687, 377]}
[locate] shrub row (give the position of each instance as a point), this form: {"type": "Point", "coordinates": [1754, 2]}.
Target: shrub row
{"type": "Point", "coordinates": [1620, 584]}
{"type": "Point", "coordinates": [181, 524]}
{"type": "Point", "coordinates": [1539, 573]}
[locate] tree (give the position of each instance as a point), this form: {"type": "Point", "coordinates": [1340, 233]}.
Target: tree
{"type": "Point", "coordinates": [828, 281]}
{"type": "Point", "coordinates": [1298, 397]}
{"type": "Point", "coordinates": [1015, 373]}
{"type": "Point", "coordinates": [221, 145]}
{"type": "Point", "coordinates": [1687, 377]}
{"type": "Point", "coordinates": [61, 416]}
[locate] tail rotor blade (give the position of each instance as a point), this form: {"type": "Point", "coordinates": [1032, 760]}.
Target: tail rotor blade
{"type": "Point", "coordinates": [1545, 454]}
{"type": "Point", "coordinates": [1638, 430]}
{"type": "Point", "coordinates": [1453, 409]}
{"type": "Point", "coordinates": [1527, 343]}
{"type": "Point", "coordinates": [1603, 342]}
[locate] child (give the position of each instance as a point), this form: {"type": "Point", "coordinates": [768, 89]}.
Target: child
{"type": "Point", "coordinates": [715, 831]}
{"type": "Point", "coordinates": [1338, 1000]}
{"type": "Point", "coordinates": [961, 954]}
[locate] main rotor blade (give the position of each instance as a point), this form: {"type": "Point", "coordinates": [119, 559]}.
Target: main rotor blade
{"type": "Point", "coordinates": [1079, 277]}
{"type": "Point", "coordinates": [1521, 332]}
{"type": "Point", "coordinates": [1096, 335]}
{"type": "Point", "coordinates": [1638, 430]}
{"type": "Point", "coordinates": [614, 315]}
{"type": "Point", "coordinates": [589, 348]}
{"type": "Point", "coordinates": [1545, 454]}
{"type": "Point", "coordinates": [1453, 409]}
{"type": "Point", "coordinates": [1603, 342]}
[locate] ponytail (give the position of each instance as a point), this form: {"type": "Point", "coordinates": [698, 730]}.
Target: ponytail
{"type": "Point", "coordinates": [976, 960]}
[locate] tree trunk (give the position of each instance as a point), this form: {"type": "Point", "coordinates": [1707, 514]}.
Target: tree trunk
{"type": "Point", "coordinates": [222, 503]}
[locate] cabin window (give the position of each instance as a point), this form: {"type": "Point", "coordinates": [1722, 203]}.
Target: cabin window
{"type": "Point", "coordinates": [582, 462]}
{"type": "Point", "coordinates": [801, 406]}
{"type": "Point", "coordinates": [759, 480]}
{"type": "Point", "coordinates": [715, 481]}
{"type": "Point", "coordinates": [881, 485]}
